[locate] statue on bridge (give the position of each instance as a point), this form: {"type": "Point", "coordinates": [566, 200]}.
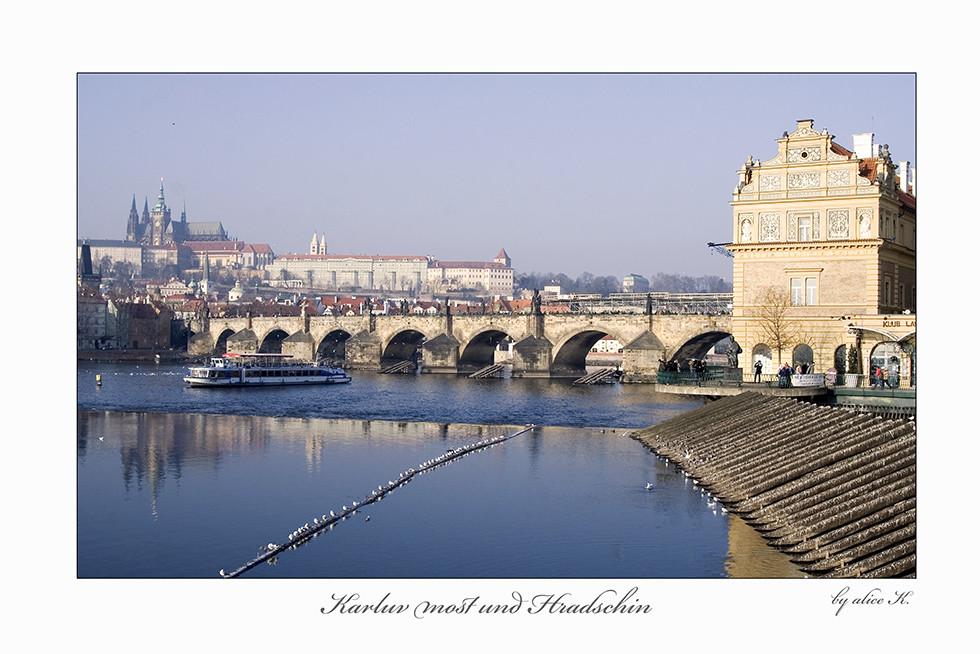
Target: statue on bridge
{"type": "Point", "coordinates": [733, 351]}
{"type": "Point", "coordinates": [536, 303]}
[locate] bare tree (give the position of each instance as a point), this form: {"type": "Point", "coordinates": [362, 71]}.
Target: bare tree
{"type": "Point", "coordinates": [775, 325]}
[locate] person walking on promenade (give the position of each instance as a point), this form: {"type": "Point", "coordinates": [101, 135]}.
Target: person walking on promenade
{"type": "Point", "coordinates": [758, 372]}
{"type": "Point", "coordinates": [884, 378]}
{"type": "Point", "coordinates": [879, 378]}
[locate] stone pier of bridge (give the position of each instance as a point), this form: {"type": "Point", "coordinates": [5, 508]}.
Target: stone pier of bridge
{"type": "Point", "coordinates": [537, 345]}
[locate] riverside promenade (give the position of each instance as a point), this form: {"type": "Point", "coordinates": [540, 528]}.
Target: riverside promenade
{"type": "Point", "coordinates": [834, 488]}
{"type": "Point", "coordinates": [888, 402]}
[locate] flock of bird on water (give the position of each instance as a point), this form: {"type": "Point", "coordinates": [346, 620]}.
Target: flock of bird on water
{"type": "Point", "coordinates": [309, 531]}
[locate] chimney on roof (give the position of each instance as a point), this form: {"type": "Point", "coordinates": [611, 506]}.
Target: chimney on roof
{"type": "Point", "coordinates": [906, 177]}
{"type": "Point", "coordinates": [864, 145]}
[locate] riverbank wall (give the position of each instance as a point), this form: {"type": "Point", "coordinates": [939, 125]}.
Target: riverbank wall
{"type": "Point", "coordinates": [132, 355]}
{"type": "Point", "coordinates": [832, 487]}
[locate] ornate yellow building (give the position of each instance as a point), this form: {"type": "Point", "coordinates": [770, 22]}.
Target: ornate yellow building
{"type": "Point", "coordinates": [824, 256]}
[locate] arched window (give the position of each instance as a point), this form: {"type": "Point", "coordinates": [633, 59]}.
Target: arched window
{"type": "Point", "coordinates": [887, 356]}
{"type": "Point", "coordinates": [803, 355]}
{"type": "Point", "coordinates": [763, 353]}
{"type": "Point", "coordinates": [840, 359]}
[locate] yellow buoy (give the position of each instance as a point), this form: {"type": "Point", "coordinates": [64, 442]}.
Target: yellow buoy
{"type": "Point", "coordinates": [98, 380]}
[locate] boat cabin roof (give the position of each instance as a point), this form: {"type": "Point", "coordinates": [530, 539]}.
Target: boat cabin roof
{"type": "Point", "coordinates": [258, 359]}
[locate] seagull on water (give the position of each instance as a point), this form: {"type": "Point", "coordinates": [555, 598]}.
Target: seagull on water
{"type": "Point", "coordinates": [649, 486]}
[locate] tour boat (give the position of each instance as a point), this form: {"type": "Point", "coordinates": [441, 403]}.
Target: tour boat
{"type": "Point", "coordinates": [234, 369]}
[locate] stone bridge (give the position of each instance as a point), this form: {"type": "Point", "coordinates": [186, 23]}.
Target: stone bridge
{"type": "Point", "coordinates": [539, 345]}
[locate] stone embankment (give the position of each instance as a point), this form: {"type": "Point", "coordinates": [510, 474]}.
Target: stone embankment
{"type": "Point", "coordinates": [833, 488]}
{"type": "Point", "coordinates": [116, 355]}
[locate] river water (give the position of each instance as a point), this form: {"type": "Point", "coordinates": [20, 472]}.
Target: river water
{"type": "Point", "coordinates": [175, 482]}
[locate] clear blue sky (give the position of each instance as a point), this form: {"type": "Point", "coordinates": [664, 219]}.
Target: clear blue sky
{"type": "Point", "coordinates": [611, 174]}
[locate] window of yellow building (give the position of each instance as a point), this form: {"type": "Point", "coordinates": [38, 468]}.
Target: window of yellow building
{"type": "Point", "coordinates": [803, 291]}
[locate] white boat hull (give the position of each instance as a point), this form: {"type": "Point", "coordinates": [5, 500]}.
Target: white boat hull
{"type": "Point", "coordinates": [264, 381]}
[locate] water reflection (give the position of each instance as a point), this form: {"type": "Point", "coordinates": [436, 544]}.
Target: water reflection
{"type": "Point", "coordinates": [559, 502]}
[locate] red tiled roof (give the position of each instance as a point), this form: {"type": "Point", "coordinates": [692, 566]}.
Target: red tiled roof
{"type": "Point", "coordinates": [868, 168]}
{"type": "Point", "coordinates": [469, 264]}
{"type": "Point", "coordinates": [258, 248]}
{"type": "Point", "coordinates": [214, 246]}
{"type": "Point", "coordinates": [333, 300]}
{"type": "Point", "coordinates": [373, 257]}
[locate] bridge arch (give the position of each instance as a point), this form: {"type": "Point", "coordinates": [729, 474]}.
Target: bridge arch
{"type": "Point", "coordinates": [402, 346]}
{"type": "Point", "coordinates": [332, 347]}
{"type": "Point", "coordinates": [698, 346]}
{"type": "Point", "coordinates": [478, 351]}
{"type": "Point", "coordinates": [570, 352]}
{"type": "Point", "coordinates": [221, 342]}
{"type": "Point", "coordinates": [271, 342]}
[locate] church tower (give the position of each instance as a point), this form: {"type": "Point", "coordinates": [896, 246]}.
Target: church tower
{"type": "Point", "coordinates": [318, 247]}
{"type": "Point", "coordinates": [205, 285]}
{"type": "Point", "coordinates": [132, 225]}
{"type": "Point", "coordinates": [159, 219]}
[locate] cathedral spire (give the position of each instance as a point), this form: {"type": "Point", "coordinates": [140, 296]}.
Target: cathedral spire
{"type": "Point", "coordinates": [183, 213]}
{"type": "Point", "coordinates": [161, 204]}
{"type": "Point", "coordinates": [133, 222]}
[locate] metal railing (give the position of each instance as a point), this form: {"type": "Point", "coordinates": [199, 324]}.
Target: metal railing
{"type": "Point", "coordinates": [716, 376]}
{"type": "Point", "coordinates": [711, 376]}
